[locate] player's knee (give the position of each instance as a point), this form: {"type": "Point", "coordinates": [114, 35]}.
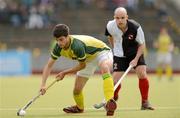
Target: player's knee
{"type": "Point", "coordinates": [142, 74]}
{"type": "Point", "coordinates": [105, 66]}
{"type": "Point", "coordinates": [105, 69]}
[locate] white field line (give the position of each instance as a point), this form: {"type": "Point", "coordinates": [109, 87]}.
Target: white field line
{"type": "Point", "coordinates": [122, 108]}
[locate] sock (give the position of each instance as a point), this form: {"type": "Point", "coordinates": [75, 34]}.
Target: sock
{"type": "Point", "coordinates": [79, 99]}
{"type": "Point", "coordinates": [159, 72]}
{"type": "Point", "coordinates": [144, 88]}
{"type": "Point", "coordinates": [169, 72]}
{"type": "Point", "coordinates": [108, 86]}
{"type": "Point", "coordinates": [116, 92]}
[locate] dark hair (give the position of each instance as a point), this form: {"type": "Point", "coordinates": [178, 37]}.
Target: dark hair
{"type": "Point", "coordinates": [60, 30]}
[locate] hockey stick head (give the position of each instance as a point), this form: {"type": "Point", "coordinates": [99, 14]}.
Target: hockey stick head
{"type": "Point", "coordinates": [98, 106]}
{"type": "Point", "coordinates": [21, 112]}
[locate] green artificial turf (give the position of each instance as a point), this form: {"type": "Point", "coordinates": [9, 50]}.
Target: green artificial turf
{"type": "Point", "coordinates": [16, 91]}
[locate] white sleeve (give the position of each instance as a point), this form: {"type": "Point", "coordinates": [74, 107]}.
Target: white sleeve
{"type": "Point", "coordinates": [140, 36]}
{"type": "Point", "coordinates": [109, 27]}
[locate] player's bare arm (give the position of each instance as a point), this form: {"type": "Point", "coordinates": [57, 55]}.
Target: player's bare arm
{"type": "Point", "coordinates": [46, 72]}
{"type": "Point", "coordinates": [111, 41]}
{"type": "Point", "coordinates": [62, 74]}
{"type": "Point", "coordinates": [139, 53]}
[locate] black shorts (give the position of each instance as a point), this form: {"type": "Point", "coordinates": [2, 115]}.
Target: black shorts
{"type": "Point", "coordinates": [122, 63]}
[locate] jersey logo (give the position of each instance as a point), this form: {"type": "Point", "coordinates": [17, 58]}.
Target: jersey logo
{"type": "Point", "coordinates": [130, 37]}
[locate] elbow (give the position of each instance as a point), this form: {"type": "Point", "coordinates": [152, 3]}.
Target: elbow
{"type": "Point", "coordinates": [142, 46]}
{"type": "Point", "coordinates": [83, 65]}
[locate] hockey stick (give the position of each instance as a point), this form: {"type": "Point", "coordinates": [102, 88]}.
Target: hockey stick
{"type": "Point", "coordinates": [32, 100]}
{"type": "Point", "coordinates": [98, 106]}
